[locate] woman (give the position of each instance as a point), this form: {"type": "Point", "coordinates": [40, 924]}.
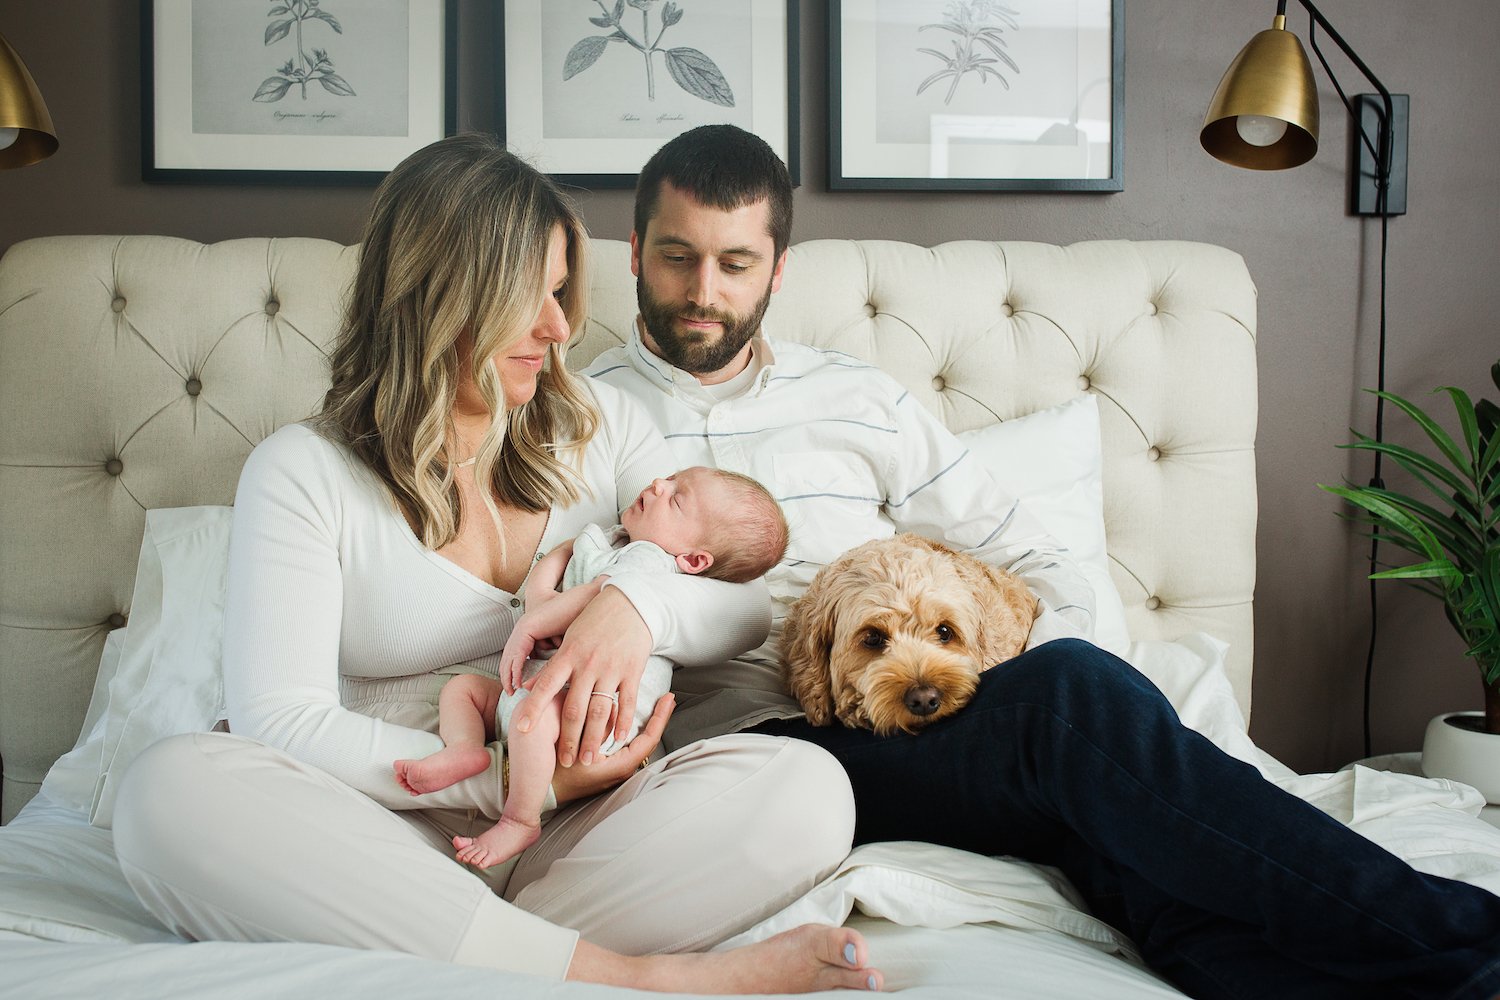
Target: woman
{"type": "Point", "coordinates": [380, 544]}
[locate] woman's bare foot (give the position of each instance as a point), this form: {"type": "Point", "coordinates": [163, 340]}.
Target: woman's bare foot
{"type": "Point", "coordinates": [500, 842]}
{"type": "Point", "coordinates": [802, 960]}
{"type": "Point", "coordinates": [441, 769]}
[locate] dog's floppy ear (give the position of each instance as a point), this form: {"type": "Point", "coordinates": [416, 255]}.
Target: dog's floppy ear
{"type": "Point", "coordinates": [807, 646]}
{"type": "Point", "coordinates": [1006, 608]}
{"type": "Point", "coordinates": [1009, 609]}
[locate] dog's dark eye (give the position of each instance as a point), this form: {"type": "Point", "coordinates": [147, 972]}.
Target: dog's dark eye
{"type": "Point", "coordinates": [944, 633]}
{"type": "Point", "coordinates": [873, 640]}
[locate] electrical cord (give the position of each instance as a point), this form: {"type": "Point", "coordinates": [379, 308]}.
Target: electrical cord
{"type": "Point", "coordinates": [1382, 187]}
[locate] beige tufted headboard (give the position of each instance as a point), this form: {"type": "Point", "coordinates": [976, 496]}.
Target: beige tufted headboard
{"type": "Point", "coordinates": [138, 372]}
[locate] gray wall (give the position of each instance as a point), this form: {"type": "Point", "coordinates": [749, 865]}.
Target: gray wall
{"type": "Point", "coordinates": [1314, 266]}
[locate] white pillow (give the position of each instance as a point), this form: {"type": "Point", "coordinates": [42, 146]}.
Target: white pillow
{"type": "Point", "coordinates": [1053, 461]}
{"type": "Point", "coordinates": [168, 679]}
{"type": "Point", "coordinates": [73, 778]}
{"type": "Point", "coordinates": [1190, 671]}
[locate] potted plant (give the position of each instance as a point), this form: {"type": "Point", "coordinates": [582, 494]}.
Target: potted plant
{"type": "Point", "coordinates": [1452, 525]}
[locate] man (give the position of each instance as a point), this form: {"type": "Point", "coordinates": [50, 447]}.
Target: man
{"type": "Point", "coordinates": [1067, 756]}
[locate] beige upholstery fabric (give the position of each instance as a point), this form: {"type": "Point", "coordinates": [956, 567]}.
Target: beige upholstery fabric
{"type": "Point", "coordinates": [138, 372]}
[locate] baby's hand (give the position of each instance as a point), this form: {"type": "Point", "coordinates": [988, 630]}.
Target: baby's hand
{"type": "Point", "coordinates": [515, 654]}
{"type": "Point", "coordinates": [536, 597]}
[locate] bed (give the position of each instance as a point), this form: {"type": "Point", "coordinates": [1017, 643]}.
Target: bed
{"type": "Point", "coordinates": [1111, 383]}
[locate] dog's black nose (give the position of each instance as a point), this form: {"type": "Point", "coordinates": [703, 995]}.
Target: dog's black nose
{"type": "Point", "coordinates": [923, 700]}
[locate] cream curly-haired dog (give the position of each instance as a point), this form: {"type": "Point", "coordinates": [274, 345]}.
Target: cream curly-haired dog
{"type": "Point", "coordinates": [895, 633]}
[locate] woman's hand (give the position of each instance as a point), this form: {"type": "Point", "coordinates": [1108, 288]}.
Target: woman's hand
{"type": "Point", "coordinates": [604, 652]}
{"type": "Point", "coordinates": [542, 628]}
{"type": "Point", "coordinates": [569, 783]}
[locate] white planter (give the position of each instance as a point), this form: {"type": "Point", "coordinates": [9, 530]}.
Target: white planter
{"type": "Point", "coordinates": [1462, 754]}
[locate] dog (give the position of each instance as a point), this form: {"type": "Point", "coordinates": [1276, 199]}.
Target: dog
{"type": "Point", "coordinates": [894, 634]}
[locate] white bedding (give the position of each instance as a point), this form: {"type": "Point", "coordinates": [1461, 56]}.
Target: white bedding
{"type": "Point", "coordinates": [964, 963]}
{"type": "Point", "coordinates": [70, 927]}
{"type": "Point", "coordinates": [943, 924]}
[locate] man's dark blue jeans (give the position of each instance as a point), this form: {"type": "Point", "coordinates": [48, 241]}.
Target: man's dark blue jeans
{"type": "Point", "coordinates": [1231, 887]}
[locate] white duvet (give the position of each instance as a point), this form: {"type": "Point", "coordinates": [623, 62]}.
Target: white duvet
{"type": "Point", "coordinates": [943, 924]}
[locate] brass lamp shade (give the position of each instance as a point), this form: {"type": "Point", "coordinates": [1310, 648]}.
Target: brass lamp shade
{"type": "Point", "coordinates": [22, 108]}
{"type": "Point", "coordinates": [1270, 78]}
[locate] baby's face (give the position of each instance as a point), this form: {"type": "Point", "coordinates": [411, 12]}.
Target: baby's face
{"type": "Point", "coordinates": [675, 512]}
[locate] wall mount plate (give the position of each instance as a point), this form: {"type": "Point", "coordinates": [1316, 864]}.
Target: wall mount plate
{"type": "Point", "coordinates": [1363, 195]}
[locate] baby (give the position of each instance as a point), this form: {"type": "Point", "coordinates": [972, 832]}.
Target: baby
{"type": "Point", "coordinates": [699, 521]}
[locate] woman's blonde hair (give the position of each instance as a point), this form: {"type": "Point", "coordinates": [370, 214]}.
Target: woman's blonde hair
{"type": "Point", "coordinates": [457, 242]}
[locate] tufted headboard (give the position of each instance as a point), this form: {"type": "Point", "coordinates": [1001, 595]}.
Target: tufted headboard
{"type": "Point", "coordinates": [138, 372]}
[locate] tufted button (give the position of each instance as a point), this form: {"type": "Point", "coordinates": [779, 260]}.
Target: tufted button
{"type": "Point", "coordinates": [515, 602]}
{"type": "Point", "coordinates": [1154, 454]}
{"type": "Point", "coordinates": [1006, 309]}
{"type": "Point", "coordinates": [272, 307]}
{"type": "Point", "coordinates": [1084, 383]}
{"type": "Point", "coordinates": [114, 467]}
{"type": "Point", "coordinates": [939, 383]}
{"type": "Point", "coordinates": [118, 305]}
{"type": "Point", "coordinates": [116, 620]}
{"type": "Point", "coordinates": [1151, 309]}
{"type": "Point", "coordinates": [194, 386]}
{"type": "Point", "coordinates": [1152, 603]}
{"type": "Point", "coordinates": [870, 310]}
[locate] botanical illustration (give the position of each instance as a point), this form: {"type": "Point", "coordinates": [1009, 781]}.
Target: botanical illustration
{"type": "Point", "coordinates": [690, 69]}
{"type": "Point", "coordinates": [303, 69]}
{"type": "Point", "coordinates": [979, 45]}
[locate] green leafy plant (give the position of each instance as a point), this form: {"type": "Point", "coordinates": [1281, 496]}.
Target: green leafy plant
{"type": "Point", "coordinates": [693, 71]}
{"type": "Point", "coordinates": [970, 20]}
{"type": "Point", "coordinates": [303, 70]}
{"type": "Point", "coordinates": [1452, 526]}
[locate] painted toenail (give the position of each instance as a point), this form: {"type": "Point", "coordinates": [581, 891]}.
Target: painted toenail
{"type": "Point", "coordinates": [849, 953]}
{"type": "Point", "coordinates": [870, 982]}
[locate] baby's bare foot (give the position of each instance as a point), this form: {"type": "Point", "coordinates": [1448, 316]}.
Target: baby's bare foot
{"type": "Point", "coordinates": [802, 960]}
{"type": "Point", "coordinates": [441, 769]}
{"type": "Point", "coordinates": [500, 842]}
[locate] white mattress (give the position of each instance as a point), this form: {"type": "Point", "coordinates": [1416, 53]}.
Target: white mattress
{"type": "Point", "coordinates": [70, 927]}
{"type": "Point", "coordinates": [942, 924]}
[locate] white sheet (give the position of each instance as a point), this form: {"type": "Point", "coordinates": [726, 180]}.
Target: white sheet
{"type": "Point", "coordinates": [943, 924]}
{"type": "Point", "coordinates": [70, 927]}
{"type": "Point", "coordinates": [992, 929]}
{"type": "Point", "coordinates": [964, 963]}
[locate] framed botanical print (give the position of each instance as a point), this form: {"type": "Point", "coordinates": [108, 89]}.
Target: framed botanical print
{"type": "Point", "coordinates": [976, 95]}
{"type": "Point", "coordinates": [292, 91]}
{"type": "Point", "coordinates": [589, 89]}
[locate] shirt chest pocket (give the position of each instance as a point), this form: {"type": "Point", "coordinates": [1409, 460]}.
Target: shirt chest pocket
{"type": "Point", "coordinates": [832, 502]}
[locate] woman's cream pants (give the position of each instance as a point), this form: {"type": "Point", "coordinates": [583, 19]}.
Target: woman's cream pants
{"type": "Point", "coordinates": [227, 839]}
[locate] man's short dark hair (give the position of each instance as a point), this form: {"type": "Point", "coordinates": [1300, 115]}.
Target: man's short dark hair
{"type": "Point", "coordinates": [723, 167]}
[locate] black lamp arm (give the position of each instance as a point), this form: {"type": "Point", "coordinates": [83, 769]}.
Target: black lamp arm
{"type": "Point", "coordinates": [1383, 154]}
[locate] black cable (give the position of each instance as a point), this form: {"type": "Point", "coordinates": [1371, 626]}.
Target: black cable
{"type": "Point", "coordinates": [1375, 480]}
{"type": "Point", "coordinates": [1382, 187]}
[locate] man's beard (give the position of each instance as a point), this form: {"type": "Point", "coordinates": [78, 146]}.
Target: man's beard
{"type": "Point", "coordinates": [694, 352]}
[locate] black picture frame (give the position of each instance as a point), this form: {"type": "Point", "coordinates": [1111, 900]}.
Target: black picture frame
{"type": "Point", "coordinates": [880, 148]}
{"type": "Point", "coordinates": [610, 161]}
{"type": "Point", "coordinates": [174, 150]}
